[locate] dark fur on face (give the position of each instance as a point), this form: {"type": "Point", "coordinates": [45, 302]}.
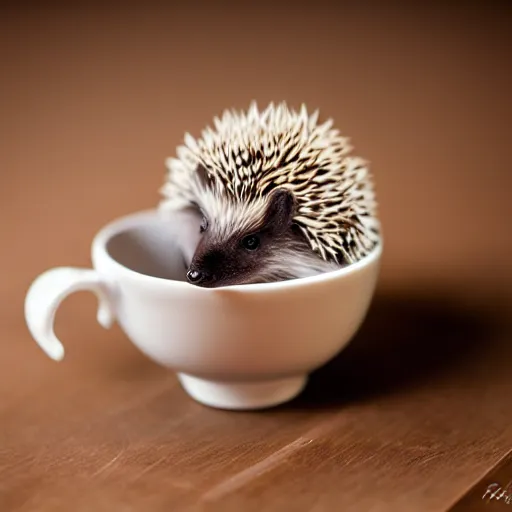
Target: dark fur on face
{"type": "Point", "coordinates": [271, 252]}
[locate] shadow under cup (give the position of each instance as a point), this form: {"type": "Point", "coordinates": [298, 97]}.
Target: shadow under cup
{"type": "Point", "coordinates": [236, 347]}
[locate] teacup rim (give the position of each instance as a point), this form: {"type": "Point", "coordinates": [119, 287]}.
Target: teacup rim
{"type": "Point", "coordinates": [124, 222]}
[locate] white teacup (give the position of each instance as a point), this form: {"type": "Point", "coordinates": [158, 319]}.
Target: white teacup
{"type": "Point", "coordinates": [238, 347]}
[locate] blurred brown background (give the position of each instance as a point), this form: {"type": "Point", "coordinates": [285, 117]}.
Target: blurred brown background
{"type": "Point", "coordinates": [94, 97]}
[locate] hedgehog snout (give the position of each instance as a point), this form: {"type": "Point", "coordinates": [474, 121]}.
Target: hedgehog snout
{"type": "Point", "coordinates": [195, 276]}
{"type": "Point", "coordinates": [204, 268]}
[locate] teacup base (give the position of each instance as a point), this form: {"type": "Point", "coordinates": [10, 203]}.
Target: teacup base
{"type": "Point", "coordinates": [243, 395]}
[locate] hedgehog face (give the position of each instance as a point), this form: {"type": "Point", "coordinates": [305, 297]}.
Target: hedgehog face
{"type": "Point", "coordinates": [241, 256]}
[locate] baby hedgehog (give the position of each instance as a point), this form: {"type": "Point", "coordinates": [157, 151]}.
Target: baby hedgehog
{"type": "Point", "coordinates": [278, 196]}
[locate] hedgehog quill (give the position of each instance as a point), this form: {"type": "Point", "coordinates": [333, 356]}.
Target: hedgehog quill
{"type": "Point", "coordinates": [277, 196]}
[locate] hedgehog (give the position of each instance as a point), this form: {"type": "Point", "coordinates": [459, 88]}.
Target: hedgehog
{"type": "Point", "coordinates": [276, 196]}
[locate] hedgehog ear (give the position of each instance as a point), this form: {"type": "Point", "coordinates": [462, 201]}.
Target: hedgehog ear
{"type": "Point", "coordinates": [281, 209]}
{"type": "Point", "coordinates": [202, 175]}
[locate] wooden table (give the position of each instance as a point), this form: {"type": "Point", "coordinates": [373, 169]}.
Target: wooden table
{"type": "Point", "coordinates": [416, 414]}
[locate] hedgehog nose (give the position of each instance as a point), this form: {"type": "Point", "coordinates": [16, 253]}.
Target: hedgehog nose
{"type": "Point", "coordinates": [196, 276]}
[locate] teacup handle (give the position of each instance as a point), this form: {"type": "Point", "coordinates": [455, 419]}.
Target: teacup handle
{"type": "Point", "coordinates": [48, 291]}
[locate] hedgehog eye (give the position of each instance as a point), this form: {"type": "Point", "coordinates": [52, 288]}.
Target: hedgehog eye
{"type": "Point", "coordinates": [251, 242]}
{"type": "Point", "coordinates": [204, 225]}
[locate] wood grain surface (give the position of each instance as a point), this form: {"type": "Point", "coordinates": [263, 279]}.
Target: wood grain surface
{"type": "Point", "coordinates": [415, 415]}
